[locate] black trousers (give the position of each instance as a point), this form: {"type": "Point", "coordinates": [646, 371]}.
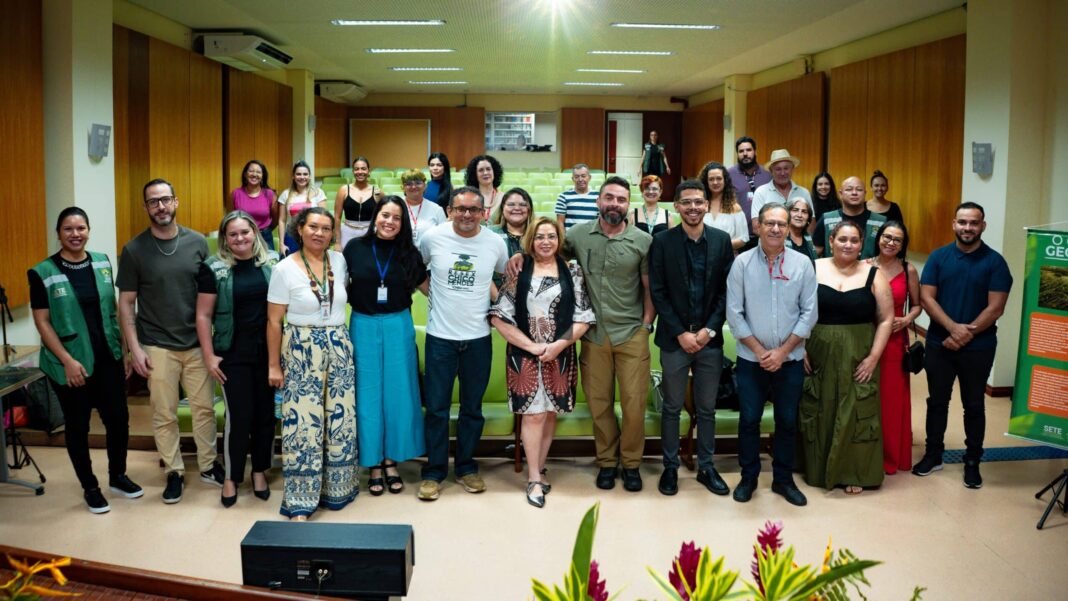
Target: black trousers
{"type": "Point", "coordinates": [971, 368]}
{"type": "Point", "coordinates": [249, 409]}
{"type": "Point", "coordinates": [106, 391]}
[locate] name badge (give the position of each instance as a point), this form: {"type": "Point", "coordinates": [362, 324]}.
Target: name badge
{"type": "Point", "coordinates": [324, 310]}
{"type": "Point", "coordinates": [383, 295]}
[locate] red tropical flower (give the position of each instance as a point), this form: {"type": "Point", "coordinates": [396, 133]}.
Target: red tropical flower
{"type": "Point", "coordinates": [688, 558]}
{"type": "Point", "coordinates": [769, 540]}
{"type": "Point", "coordinates": [596, 590]}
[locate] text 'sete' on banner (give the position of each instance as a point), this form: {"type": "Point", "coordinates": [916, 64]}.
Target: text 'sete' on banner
{"type": "Point", "coordinates": [1040, 393]}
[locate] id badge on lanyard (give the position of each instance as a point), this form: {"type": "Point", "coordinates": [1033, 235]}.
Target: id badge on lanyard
{"type": "Point", "coordinates": [383, 294]}
{"type": "Point", "coordinates": [324, 309]}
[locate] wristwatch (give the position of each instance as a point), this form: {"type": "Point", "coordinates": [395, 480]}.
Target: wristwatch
{"type": "Point", "coordinates": [711, 332]}
{"type": "Point", "coordinates": [648, 327]}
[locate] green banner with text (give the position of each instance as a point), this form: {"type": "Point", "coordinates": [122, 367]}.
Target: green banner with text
{"type": "Point", "coordinates": [1040, 393]}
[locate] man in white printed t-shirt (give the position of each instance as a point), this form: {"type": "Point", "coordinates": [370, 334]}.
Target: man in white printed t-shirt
{"type": "Point", "coordinates": [462, 257]}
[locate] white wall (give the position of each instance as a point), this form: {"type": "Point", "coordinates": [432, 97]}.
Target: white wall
{"type": "Point", "coordinates": [1056, 188]}
{"type": "Point", "coordinates": [628, 142]}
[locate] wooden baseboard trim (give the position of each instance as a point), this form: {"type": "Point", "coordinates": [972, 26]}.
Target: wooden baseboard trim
{"type": "Point", "coordinates": [998, 391]}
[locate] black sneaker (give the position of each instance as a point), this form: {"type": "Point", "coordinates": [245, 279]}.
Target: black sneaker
{"type": "Point", "coordinates": [972, 478]}
{"type": "Point", "coordinates": [96, 501]}
{"type": "Point", "coordinates": [215, 475]}
{"type": "Point", "coordinates": [928, 465]}
{"type": "Point", "coordinates": [125, 487]}
{"type": "Point", "coordinates": [173, 492]}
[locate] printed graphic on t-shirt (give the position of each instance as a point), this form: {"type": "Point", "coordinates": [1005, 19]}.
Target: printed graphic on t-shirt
{"type": "Point", "coordinates": [462, 273]}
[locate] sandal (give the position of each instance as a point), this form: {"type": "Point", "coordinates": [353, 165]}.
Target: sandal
{"type": "Point", "coordinates": [393, 481]}
{"type": "Point", "coordinates": [853, 489]}
{"type": "Point", "coordinates": [537, 500]}
{"type": "Point", "coordinates": [545, 486]}
{"type": "Point", "coordinates": [376, 486]}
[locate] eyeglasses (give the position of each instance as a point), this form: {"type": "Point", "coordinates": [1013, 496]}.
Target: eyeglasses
{"type": "Point", "coordinates": [775, 224]}
{"type": "Point", "coordinates": [467, 210]}
{"type": "Point", "coordinates": [892, 240]}
{"type": "Point", "coordinates": [162, 200]}
{"type": "Point", "coordinates": [413, 183]}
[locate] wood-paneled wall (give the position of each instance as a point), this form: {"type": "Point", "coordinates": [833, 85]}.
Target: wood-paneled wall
{"type": "Point", "coordinates": [331, 137]}
{"type": "Point", "coordinates": [903, 113]}
{"type": "Point", "coordinates": [457, 132]}
{"type": "Point", "coordinates": [582, 137]}
{"type": "Point", "coordinates": [702, 137]}
{"type": "Point", "coordinates": [168, 124]}
{"type": "Point", "coordinates": [22, 196]}
{"type": "Point", "coordinates": [790, 115]}
{"type": "Point", "coordinates": [259, 125]}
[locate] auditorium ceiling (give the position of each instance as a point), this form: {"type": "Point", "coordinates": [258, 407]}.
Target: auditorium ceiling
{"type": "Point", "coordinates": [538, 46]}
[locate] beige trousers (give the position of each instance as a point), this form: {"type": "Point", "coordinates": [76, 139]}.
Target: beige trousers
{"type": "Point", "coordinates": [169, 369]}
{"type": "Point", "coordinates": [601, 366]}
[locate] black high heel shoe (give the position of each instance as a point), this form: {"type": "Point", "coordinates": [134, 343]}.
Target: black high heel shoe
{"type": "Point", "coordinates": [228, 501]}
{"type": "Point", "coordinates": [264, 494]}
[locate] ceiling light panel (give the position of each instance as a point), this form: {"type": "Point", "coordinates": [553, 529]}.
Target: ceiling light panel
{"type": "Point", "coordinates": [664, 26]}
{"type": "Point", "coordinates": [426, 68]}
{"type": "Point", "coordinates": [610, 70]}
{"type": "Point", "coordinates": [358, 23]}
{"type": "Point", "coordinates": [438, 83]}
{"type": "Point", "coordinates": [407, 50]}
{"type": "Point", "coordinates": [633, 52]}
{"type": "Point", "coordinates": [593, 83]}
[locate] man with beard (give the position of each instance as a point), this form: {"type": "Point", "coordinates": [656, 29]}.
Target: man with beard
{"type": "Point", "coordinates": [771, 308]}
{"type": "Point", "coordinates": [747, 175]}
{"type": "Point", "coordinates": [462, 257]}
{"type": "Point", "coordinates": [964, 288]}
{"type": "Point", "coordinates": [157, 312]}
{"type": "Point", "coordinates": [688, 267]}
{"type": "Point", "coordinates": [855, 209]}
{"type": "Point", "coordinates": [614, 258]}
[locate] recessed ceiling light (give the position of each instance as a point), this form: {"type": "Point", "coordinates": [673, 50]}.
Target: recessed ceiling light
{"type": "Point", "coordinates": [437, 83]}
{"type": "Point", "coordinates": [633, 52]}
{"type": "Point", "coordinates": [386, 22]}
{"type": "Point", "coordinates": [426, 68]}
{"type": "Point", "coordinates": [610, 70]}
{"type": "Point", "coordinates": [406, 50]}
{"type": "Point", "coordinates": [592, 83]}
{"type": "Point", "coordinates": [663, 26]}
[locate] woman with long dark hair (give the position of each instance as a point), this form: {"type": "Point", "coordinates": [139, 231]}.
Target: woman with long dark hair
{"type": "Point", "coordinates": [484, 173]}
{"type": "Point", "coordinates": [439, 188]}
{"type": "Point", "coordinates": [232, 330]}
{"type": "Point", "coordinates": [880, 184]}
{"type": "Point", "coordinates": [256, 198]}
{"type": "Point", "coordinates": [72, 296]}
{"type": "Point", "coordinates": [385, 269]}
{"type": "Point", "coordinates": [824, 197]}
{"type": "Point", "coordinates": [355, 202]}
{"type": "Point", "coordinates": [724, 212]}
{"type": "Point", "coordinates": [894, 391]}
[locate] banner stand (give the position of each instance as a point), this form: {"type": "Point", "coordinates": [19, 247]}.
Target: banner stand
{"type": "Point", "coordinates": [1040, 390]}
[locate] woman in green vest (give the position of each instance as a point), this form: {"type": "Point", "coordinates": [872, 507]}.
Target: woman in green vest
{"type": "Point", "coordinates": [232, 329]}
{"type": "Point", "coordinates": [72, 296]}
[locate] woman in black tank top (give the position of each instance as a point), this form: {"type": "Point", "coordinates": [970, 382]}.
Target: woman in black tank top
{"type": "Point", "coordinates": [355, 203]}
{"type": "Point", "coordinates": [838, 420]}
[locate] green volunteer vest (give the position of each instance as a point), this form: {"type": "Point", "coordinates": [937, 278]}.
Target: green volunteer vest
{"type": "Point", "coordinates": [875, 221]}
{"type": "Point", "coordinates": [223, 321]}
{"type": "Point", "coordinates": [65, 315]}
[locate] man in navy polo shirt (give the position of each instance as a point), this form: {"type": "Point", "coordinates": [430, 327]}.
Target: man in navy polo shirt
{"type": "Point", "coordinates": [963, 288]}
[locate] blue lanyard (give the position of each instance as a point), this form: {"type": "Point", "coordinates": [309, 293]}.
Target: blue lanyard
{"type": "Point", "coordinates": [382, 270]}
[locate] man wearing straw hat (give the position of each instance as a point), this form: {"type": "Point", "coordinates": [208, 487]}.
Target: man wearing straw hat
{"type": "Point", "coordinates": [781, 188]}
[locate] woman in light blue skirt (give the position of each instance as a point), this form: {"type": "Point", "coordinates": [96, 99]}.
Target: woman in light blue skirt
{"type": "Point", "coordinates": [384, 271]}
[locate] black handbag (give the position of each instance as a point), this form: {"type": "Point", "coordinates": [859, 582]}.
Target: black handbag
{"type": "Point", "coordinates": [912, 362]}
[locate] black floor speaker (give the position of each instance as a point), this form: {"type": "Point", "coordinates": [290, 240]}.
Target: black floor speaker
{"type": "Point", "coordinates": [369, 562]}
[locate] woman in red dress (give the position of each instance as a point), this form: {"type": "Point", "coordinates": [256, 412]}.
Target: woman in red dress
{"type": "Point", "coordinates": [894, 392]}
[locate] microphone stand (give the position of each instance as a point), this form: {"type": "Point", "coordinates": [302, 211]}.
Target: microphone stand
{"type": "Point", "coordinates": [5, 318]}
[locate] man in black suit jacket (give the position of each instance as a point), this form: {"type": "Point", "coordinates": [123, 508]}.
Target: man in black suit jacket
{"type": "Point", "coordinates": [688, 267]}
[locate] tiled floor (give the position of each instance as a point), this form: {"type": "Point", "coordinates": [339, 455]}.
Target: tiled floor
{"type": "Point", "coordinates": [932, 532]}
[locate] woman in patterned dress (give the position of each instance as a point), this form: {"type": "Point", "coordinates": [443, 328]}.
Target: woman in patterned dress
{"type": "Point", "coordinates": [311, 362]}
{"type": "Point", "coordinates": [542, 313]}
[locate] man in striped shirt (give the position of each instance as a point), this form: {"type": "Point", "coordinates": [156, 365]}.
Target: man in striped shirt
{"type": "Point", "coordinates": [580, 203]}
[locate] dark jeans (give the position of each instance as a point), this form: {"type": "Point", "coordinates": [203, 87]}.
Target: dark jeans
{"type": "Point", "coordinates": [105, 390]}
{"type": "Point", "coordinates": [445, 361]}
{"type": "Point", "coordinates": [783, 387]}
{"type": "Point", "coordinates": [706, 364]}
{"type": "Point", "coordinates": [972, 368]}
{"type": "Point", "coordinates": [250, 421]}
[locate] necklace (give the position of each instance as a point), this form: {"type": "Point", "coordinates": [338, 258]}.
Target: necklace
{"type": "Point", "coordinates": [326, 284]}
{"type": "Point", "coordinates": [177, 241]}
{"type": "Point", "coordinates": [75, 266]}
{"type": "Point", "coordinates": [648, 223]}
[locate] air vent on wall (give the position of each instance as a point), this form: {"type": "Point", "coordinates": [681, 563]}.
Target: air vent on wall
{"type": "Point", "coordinates": [244, 52]}
{"type": "Point", "coordinates": [344, 92]}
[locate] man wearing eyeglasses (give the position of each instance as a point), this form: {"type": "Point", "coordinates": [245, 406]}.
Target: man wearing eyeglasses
{"type": "Point", "coordinates": [462, 257]}
{"type": "Point", "coordinates": [157, 312]}
{"type": "Point", "coordinates": [855, 209]}
{"type": "Point", "coordinates": [771, 309]}
{"type": "Point", "coordinates": [964, 288]}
